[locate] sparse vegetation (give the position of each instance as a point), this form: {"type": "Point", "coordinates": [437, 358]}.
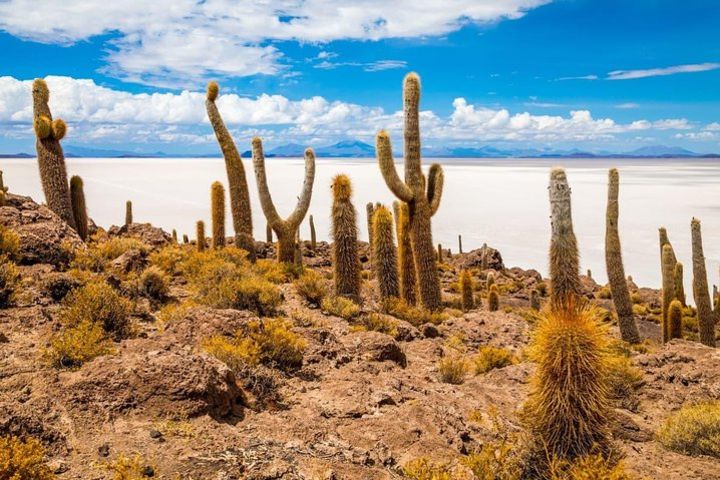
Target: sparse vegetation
{"type": "Point", "coordinates": [489, 358]}
{"type": "Point", "coordinates": [453, 369]}
{"type": "Point", "coordinates": [312, 287]}
{"type": "Point", "coordinates": [9, 282]}
{"type": "Point", "coordinates": [693, 430]}
{"type": "Point", "coordinates": [77, 344]}
{"type": "Point", "coordinates": [412, 314]}
{"type": "Point", "coordinates": [98, 302]}
{"type": "Point", "coordinates": [153, 284]}
{"type": "Point", "coordinates": [23, 459]}
{"type": "Point", "coordinates": [340, 307]}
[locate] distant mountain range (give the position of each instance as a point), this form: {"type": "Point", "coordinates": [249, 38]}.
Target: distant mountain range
{"type": "Point", "coordinates": [358, 149]}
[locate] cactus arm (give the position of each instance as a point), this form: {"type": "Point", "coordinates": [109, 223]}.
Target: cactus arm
{"type": "Point", "coordinates": [266, 202]}
{"type": "Point", "coordinates": [411, 107]}
{"type": "Point", "coordinates": [227, 145]}
{"type": "Point", "coordinates": [436, 180]}
{"type": "Point", "coordinates": [387, 168]}
{"type": "Point", "coordinates": [306, 195]}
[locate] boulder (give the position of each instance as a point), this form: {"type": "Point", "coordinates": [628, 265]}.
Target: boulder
{"type": "Point", "coordinates": [374, 347]}
{"type": "Point", "coordinates": [485, 256]}
{"type": "Point", "coordinates": [145, 232]}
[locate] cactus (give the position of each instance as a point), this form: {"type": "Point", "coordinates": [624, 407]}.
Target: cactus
{"type": "Point", "coordinates": [466, 288]}
{"type": "Point", "coordinates": [534, 300]}
{"type": "Point", "coordinates": [385, 254]}
{"type": "Point", "coordinates": [297, 253]}
{"type": "Point", "coordinates": [370, 210]}
{"type": "Point", "coordinates": [440, 254]}
{"type": "Point", "coordinates": [51, 160]}
{"type": "Point", "coordinates": [128, 213]}
{"type": "Point", "coordinates": [284, 229]}
{"type": "Point", "coordinates": [675, 313]}
{"type": "Point", "coordinates": [716, 302]}
{"type": "Point", "coordinates": [3, 188]}
{"type": "Point", "coordinates": [268, 233]}
{"type": "Point", "coordinates": [662, 231]}
{"type": "Point", "coordinates": [313, 238]}
{"type": "Point", "coordinates": [186, 239]}
{"type": "Point", "coordinates": [706, 319]}
{"type": "Point", "coordinates": [346, 263]}
{"type": "Point", "coordinates": [174, 236]}
{"type": "Point", "coordinates": [423, 202]}
{"type": "Point", "coordinates": [668, 287]}
{"type": "Point", "coordinates": [77, 197]}
{"type": "Point", "coordinates": [679, 285]}
{"type": "Point", "coordinates": [565, 287]}
{"type": "Point", "coordinates": [613, 261]}
{"type": "Point", "coordinates": [493, 298]}
{"type": "Point", "coordinates": [460, 244]}
{"type": "Point", "coordinates": [237, 183]}
{"type": "Point", "coordinates": [489, 281]}
{"type": "Point", "coordinates": [217, 203]}
{"type": "Point", "coordinates": [406, 264]}
{"type": "Point", "coordinates": [589, 274]}
{"type": "Point", "coordinates": [200, 232]}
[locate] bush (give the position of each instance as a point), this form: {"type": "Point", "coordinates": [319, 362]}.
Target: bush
{"type": "Point", "coordinates": [98, 302]}
{"type": "Point", "coordinates": [272, 271]}
{"type": "Point", "coordinates": [489, 358]}
{"type": "Point", "coordinates": [341, 307]}
{"type": "Point", "coordinates": [377, 322]}
{"type": "Point", "coordinates": [57, 285]}
{"type": "Point", "coordinates": [175, 311]}
{"type": "Point", "coordinates": [693, 430]}
{"type": "Point", "coordinates": [312, 287]}
{"type": "Point", "coordinates": [169, 259]}
{"type": "Point", "coordinates": [453, 369]}
{"type": "Point", "coordinates": [589, 467]}
{"type": "Point", "coordinates": [97, 255]}
{"type": "Point", "coordinates": [74, 345]}
{"type": "Point", "coordinates": [23, 460]}
{"type": "Point", "coordinates": [623, 380]}
{"type": "Point", "coordinates": [129, 468]}
{"type": "Point", "coordinates": [153, 284]}
{"type": "Point", "coordinates": [415, 315]}
{"type": "Point", "coordinates": [270, 342]}
{"type": "Point", "coordinates": [424, 469]}
{"type": "Point", "coordinates": [9, 282]}
{"type": "Point", "coordinates": [9, 243]}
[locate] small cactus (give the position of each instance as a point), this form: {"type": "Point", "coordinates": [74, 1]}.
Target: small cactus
{"type": "Point", "coordinates": [313, 238]}
{"type": "Point", "coordinates": [77, 196]}
{"type": "Point", "coordinates": [489, 281]}
{"type": "Point", "coordinates": [493, 298]}
{"type": "Point", "coordinates": [406, 264]}
{"type": "Point", "coordinates": [385, 254]}
{"type": "Point", "coordinates": [200, 233]}
{"type": "Point", "coordinates": [128, 213]}
{"type": "Point", "coordinates": [3, 188]}
{"type": "Point", "coordinates": [460, 244]}
{"type": "Point", "coordinates": [534, 300]}
{"type": "Point", "coordinates": [217, 202]}
{"type": "Point", "coordinates": [679, 285]}
{"type": "Point", "coordinates": [174, 236]}
{"type": "Point", "coordinates": [589, 274]}
{"type": "Point", "coordinates": [440, 253]}
{"type": "Point", "coordinates": [466, 289]}
{"type": "Point", "coordinates": [186, 239]}
{"type": "Point", "coordinates": [675, 314]}
{"type": "Point", "coordinates": [284, 229]}
{"type": "Point", "coordinates": [51, 158]}
{"type": "Point", "coordinates": [668, 287]}
{"type": "Point", "coordinates": [346, 263]}
{"type": "Point", "coordinates": [706, 319]}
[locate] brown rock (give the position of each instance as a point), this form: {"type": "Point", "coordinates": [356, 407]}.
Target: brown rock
{"type": "Point", "coordinates": [474, 259]}
{"type": "Point", "coordinates": [375, 347]}
{"type": "Point", "coordinates": [145, 232]}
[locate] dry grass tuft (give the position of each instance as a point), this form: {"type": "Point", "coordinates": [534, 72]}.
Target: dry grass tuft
{"type": "Point", "coordinates": [693, 430]}
{"type": "Point", "coordinates": [23, 460]}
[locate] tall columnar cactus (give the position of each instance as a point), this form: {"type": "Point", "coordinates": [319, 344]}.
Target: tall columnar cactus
{"type": "Point", "coordinates": [534, 300]}
{"type": "Point", "coordinates": [237, 182]}
{"type": "Point", "coordinates": [284, 229]}
{"type": "Point", "coordinates": [614, 263]}
{"type": "Point", "coordinates": [668, 287]}
{"type": "Point", "coordinates": [268, 233]}
{"type": "Point", "coordinates": [128, 213]}
{"type": "Point", "coordinates": [385, 254]}
{"type": "Point", "coordinates": [77, 196]}
{"type": "Point", "coordinates": [346, 262]}
{"type": "Point", "coordinates": [675, 313]}
{"type": "Point", "coordinates": [664, 240]}
{"type": "Point", "coordinates": [51, 159]}
{"type": "Point", "coordinates": [679, 285]}
{"type": "Point", "coordinates": [297, 254]}
{"type": "Point", "coordinates": [706, 319]}
{"type": "Point", "coordinates": [370, 211]}
{"type": "Point", "coordinates": [174, 236]}
{"type": "Point", "coordinates": [313, 238]}
{"type": "Point", "coordinates": [200, 233]}
{"type": "Point", "coordinates": [466, 289]}
{"type": "Point", "coordinates": [406, 264]}
{"type": "Point", "coordinates": [3, 191]}
{"type": "Point", "coordinates": [493, 298]}
{"type": "Point", "coordinates": [217, 203]}
{"type": "Point", "coordinates": [489, 281]}
{"type": "Point", "coordinates": [565, 286]}
{"type": "Point", "coordinates": [422, 195]}
{"type": "Point", "coordinates": [439, 253]}
{"type": "Point", "coordinates": [459, 243]}
{"type": "Point", "coordinates": [186, 239]}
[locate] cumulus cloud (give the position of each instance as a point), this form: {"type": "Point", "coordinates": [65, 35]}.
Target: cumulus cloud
{"type": "Point", "coordinates": [99, 114]}
{"type": "Point", "coordinates": [169, 42]}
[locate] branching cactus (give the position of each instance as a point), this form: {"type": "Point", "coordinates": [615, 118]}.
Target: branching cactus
{"type": "Point", "coordinates": [313, 238]}
{"type": "Point", "coordinates": [284, 229]}
{"type": "Point", "coordinates": [77, 195]}
{"type": "Point", "coordinates": [200, 233]}
{"type": "Point", "coordinates": [406, 264]}
{"type": "Point", "coordinates": [51, 159]}
{"type": "Point", "coordinates": [668, 287]}
{"type": "Point", "coordinates": [217, 203]}
{"type": "Point", "coordinates": [565, 287]}
{"type": "Point", "coordinates": [614, 263]}
{"type": "Point", "coordinates": [675, 313]}
{"type": "Point", "coordinates": [422, 196]}
{"type": "Point", "coordinates": [237, 182]}
{"type": "Point", "coordinates": [385, 253]}
{"type": "Point", "coordinates": [346, 262]}
{"type": "Point", "coordinates": [128, 213]}
{"type": "Point", "coordinates": [466, 289]}
{"type": "Point", "coordinates": [679, 285]}
{"type": "Point", "coordinates": [706, 319]}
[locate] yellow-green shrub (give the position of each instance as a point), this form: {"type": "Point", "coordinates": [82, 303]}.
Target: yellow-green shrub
{"type": "Point", "coordinates": [590, 467]}
{"type": "Point", "coordinates": [623, 379]}
{"type": "Point", "coordinates": [9, 282]}
{"type": "Point", "coordinates": [693, 430]}
{"type": "Point", "coordinates": [77, 344]}
{"type": "Point", "coordinates": [23, 460]}
{"type": "Point", "coordinates": [272, 271]}
{"type": "Point", "coordinates": [423, 469]}
{"type": "Point", "coordinates": [340, 307]}
{"type": "Point", "coordinates": [128, 468]}
{"type": "Point", "coordinates": [169, 258]}
{"type": "Point", "coordinates": [417, 316]}
{"type": "Point", "coordinates": [377, 322]}
{"type": "Point", "coordinates": [98, 302]}
{"type": "Point", "coordinates": [98, 254]}
{"type": "Point", "coordinates": [153, 284]}
{"type": "Point", "coordinates": [312, 287]}
{"type": "Point", "coordinates": [9, 242]}
{"type": "Point", "coordinates": [489, 358]}
{"type": "Point", "coordinates": [453, 369]}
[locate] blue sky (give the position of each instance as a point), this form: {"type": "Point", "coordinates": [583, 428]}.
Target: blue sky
{"type": "Point", "coordinates": [593, 74]}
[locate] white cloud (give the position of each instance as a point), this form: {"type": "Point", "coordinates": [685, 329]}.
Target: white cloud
{"type": "Point", "coordinates": [657, 72]}
{"type": "Point", "coordinates": [98, 114]}
{"type": "Point", "coordinates": [176, 42]}
{"type": "Point", "coordinates": [627, 106]}
{"type": "Point", "coordinates": [583, 77]}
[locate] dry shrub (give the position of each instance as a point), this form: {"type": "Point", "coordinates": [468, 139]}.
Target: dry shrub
{"type": "Point", "coordinates": [129, 468]}
{"type": "Point", "coordinates": [169, 258]}
{"type": "Point", "coordinates": [453, 369]}
{"type": "Point", "coordinates": [312, 287]}
{"type": "Point", "coordinates": [153, 284]}
{"type": "Point", "coordinates": [590, 467]}
{"type": "Point", "coordinates": [99, 254]}
{"type": "Point", "coordinates": [23, 460]}
{"type": "Point", "coordinates": [423, 469]}
{"type": "Point", "coordinates": [489, 358]}
{"type": "Point", "coordinates": [624, 379]}
{"type": "Point", "coordinates": [9, 282]}
{"type": "Point", "coordinates": [175, 311]}
{"type": "Point", "coordinates": [377, 322]}
{"type": "Point", "coordinates": [74, 345]}
{"type": "Point", "coordinates": [272, 270]}
{"type": "Point", "coordinates": [9, 243]}
{"type": "Point", "coordinates": [414, 315]}
{"type": "Point", "coordinates": [340, 307]}
{"type": "Point", "coordinates": [693, 430]}
{"type": "Point", "coordinates": [97, 302]}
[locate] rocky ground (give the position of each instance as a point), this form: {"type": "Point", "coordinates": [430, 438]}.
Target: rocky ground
{"type": "Point", "coordinates": [362, 405]}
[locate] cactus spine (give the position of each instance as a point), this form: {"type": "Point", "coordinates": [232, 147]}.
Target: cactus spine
{"type": "Point", "coordinates": [313, 238]}
{"type": "Point", "coordinates": [493, 298]}
{"type": "Point", "coordinates": [406, 264]}
{"type": "Point", "coordinates": [565, 287]}
{"type": "Point", "coordinates": [706, 320]}
{"type": "Point", "coordinates": [128, 213]}
{"type": "Point", "coordinates": [346, 263]}
{"type": "Point", "coordinates": [217, 202]}
{"type": "Point", "coordinates": [679, 286]}
{"type": "Point", "coordinates": [385, 254]}
{"type": "Point", "coordinates": [284, 229]}
{"type": "Point", "coordinates": [200, 232]}
{"type": "Point", "coordinates": [77, 196]}
{"type": "Point", "coordinates": [614, 263]}
{"type": "Point", "coordinates": [237, 182]}
{"type": "Point", "coordinates": [668, 287]}
{"type": "Point", "coordinates": [675, 313]}
{"type": "Point", "coordinates": [466, 288]}
{"type": "Point", "coordinates": [423, 196]}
